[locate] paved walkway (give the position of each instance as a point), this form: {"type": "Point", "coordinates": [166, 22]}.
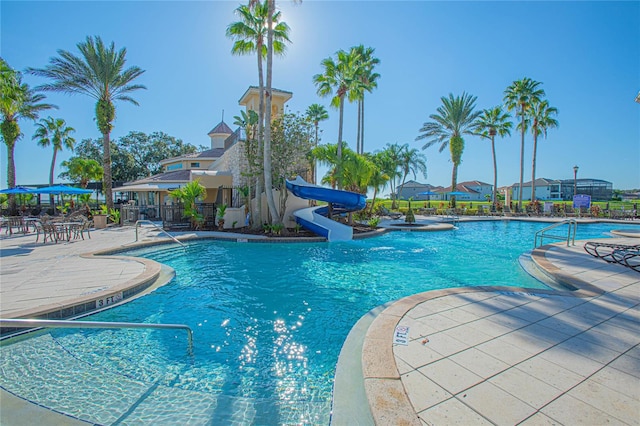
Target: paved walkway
{"type": "Point", "coordinates": [37, 277]}
{"type": "Point", "coordinates": [508, 356]}
{"type": "Point", "coordinates": [474, 356]}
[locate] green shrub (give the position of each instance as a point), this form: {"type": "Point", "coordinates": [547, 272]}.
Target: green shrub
{"type": "Point", "coordinates": [373, 222]}
{"type": "Point", "coordinates": [114, 216]}
{"type": "Point", "coordinates": [409, 217]}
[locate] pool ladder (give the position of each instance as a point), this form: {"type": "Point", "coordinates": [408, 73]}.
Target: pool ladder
{"type": "Point", "coordinates": [571, 233]}
{"type": "Point", "coordinates": [41, 323]}
{"type": "Point", "coordinates": [138, 222]}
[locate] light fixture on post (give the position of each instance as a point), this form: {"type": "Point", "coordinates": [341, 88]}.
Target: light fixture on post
{"type": "Point", "coordinates": [575, 180]}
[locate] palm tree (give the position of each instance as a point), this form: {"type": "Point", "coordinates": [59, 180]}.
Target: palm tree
{"type": "Point", "coordinates": [257, 19]}
{"type": "Point", "coordinates": [339, 77]}
{"type": "Point", "coordinates": [357, 172]}
{"type": "Point", "coordinates": [17, 101]}
{"type": "Point", "coordinates": [54, 132]}
{"type": "Point", "coordinates": [454, 118]}
{"type": "Point", "coordinates": [275, 32]}
{"type": "Point", "coordinates": [411, 161]}
{"type": "Point", "coordinates": [99, 73]}
{"type": "Point", "coordinates": [368, 82]}
{"type": "Point", "coordinates": [82, 170]}
{"type": "Point", "coordinates": [389, 160]}
{"type": "Point", "coordinates": [189, 194]}
{"type": "Point", "coordinates": [492, 122]}
{"type": "Point", "coordinates": [328, 155]}
{"type": "Point", "coordinates": [520, 96]}
{"type": "Point", "coordinates": [316, 113]}
{"type": "Point", "coordinates": [379, 178]}
{"type": "Point", "coordinates": [541, 120]}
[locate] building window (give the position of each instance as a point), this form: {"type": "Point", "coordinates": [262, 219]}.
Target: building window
{"type": "Point", "coordinates": [195, 165]}
{"type": "Point", "coordinates": [174, 166]}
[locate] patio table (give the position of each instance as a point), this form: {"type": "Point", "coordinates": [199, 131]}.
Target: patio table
{"type": "Point", "coordinates": [30, 222]}
{"type": "Point", "coordinates": [66, 229]}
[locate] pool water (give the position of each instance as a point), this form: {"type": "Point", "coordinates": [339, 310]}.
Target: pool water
{"type": "Point", "coordinates": [269, 321]}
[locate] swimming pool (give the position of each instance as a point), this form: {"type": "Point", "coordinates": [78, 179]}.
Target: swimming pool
{"type": "Point", "coordinates": [269, 321]}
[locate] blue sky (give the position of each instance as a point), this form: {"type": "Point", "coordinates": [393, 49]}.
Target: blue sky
{"type": "Point", "coordinates": [586, 54]}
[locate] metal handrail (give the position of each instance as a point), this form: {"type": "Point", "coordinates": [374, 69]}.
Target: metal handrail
{"type": "Point", "coordinates": [33, 323]}
{"type": "Point", "coordinates": [159, 229]}
{"type": "Point", "coordinates": [571, 236]}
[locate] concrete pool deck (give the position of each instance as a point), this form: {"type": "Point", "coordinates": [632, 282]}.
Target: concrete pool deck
{"type": "Point", "coordinates": [481, 355]}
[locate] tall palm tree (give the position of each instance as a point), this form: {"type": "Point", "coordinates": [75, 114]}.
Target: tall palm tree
{"type": "Point", "coordinates": [368, 82]}
{"type": "Point", "coordinates": [316, 113]}
{"type": "Point", "coordinates": [339, 80]}
{"type": "Point", "coordinates": [272, 29]}
{"type": "Point", "coordinates": [542, 118]}
{"type": "Point", "coordinates": [17, 101]}
{"type": "Point", "coordinates": [249, 34]}
{"type": "Point", "coordinates": [54, 132]}
{"type": "Point", "coordinates": [520, 96]}
{"type": "Point", "coordinates": [492, 122]}
{"type": "Point", "coordinates": [99, 73]}
{"type": "Point", "coordinates": [455, 118]}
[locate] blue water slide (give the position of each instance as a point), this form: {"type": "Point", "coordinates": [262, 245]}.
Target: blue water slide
{"type": "Point", "coordinates": [315, 218]}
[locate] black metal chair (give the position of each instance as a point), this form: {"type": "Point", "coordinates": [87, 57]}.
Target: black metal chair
{"type": "Point", "coordinates": [605, 251]}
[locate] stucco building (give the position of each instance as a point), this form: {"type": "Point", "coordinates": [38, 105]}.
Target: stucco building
{"type": "Point", "coordinates": [219, 169]}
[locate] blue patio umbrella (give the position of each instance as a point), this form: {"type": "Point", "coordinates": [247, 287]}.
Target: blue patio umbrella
{"type": "Point", "coordinates": [428, 194]}
{"type": "Point", "coordinates": [16, 190]}
{"type": "Point", "coordinates": [456, 193]}
{"type": "Point", "coordinates": [60, 189]}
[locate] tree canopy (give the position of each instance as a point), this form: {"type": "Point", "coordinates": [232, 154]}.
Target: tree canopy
{"type": "Point", "coordinates": [136, 155]}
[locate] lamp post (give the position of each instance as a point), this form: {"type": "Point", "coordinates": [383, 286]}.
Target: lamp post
{"type": "Point", "coordinates": [575, 180]}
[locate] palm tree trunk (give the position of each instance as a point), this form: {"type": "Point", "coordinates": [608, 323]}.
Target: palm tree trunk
{"type": "Point", "coordinates": [106, 177]}
{"type": "Point", "coordinates": [358, 131]}
{"type": "Point", "coordinates": [53, 165]}
{"type": "Point", "coordinates": [495, 171]}
{"type": "Point", "coordinates": [313, 161]}
{"type": "Point", "coordinates": [362, 125]}
{"type": "Point", "coordinates": [454, 183]}
{"type": "Point", "coordinates": [268, 175]}
{"type": "Point", "coordinates": [257, 214]}
{"type": "Point", "coordinates": [11, 175]}
{"type": "Point", "coordinates": [521, 161]}
{"type": "Point", "coordinates": [373, 202]}
{"type": "Point", "coordinates": [533, 166]}
{"type": "Point", "coordinates": [340, 122]}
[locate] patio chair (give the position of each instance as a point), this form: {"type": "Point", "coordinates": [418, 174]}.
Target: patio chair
{"type": "Point", "coordinates": [386, 212]}
{"type": "Point", "coordinates": [628, 258]}
{"type": "Point", "coordinates": [17, 223]}
{"type": "Point", "coordinates": [80, 230]}
{"type": "Point", "coordinates": [48, 232]}
{"type": "Point", "coordinates": [605, 251]}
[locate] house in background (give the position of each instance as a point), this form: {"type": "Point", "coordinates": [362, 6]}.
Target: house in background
{"type": "Point", "coordinates": [559, 190]}
{"type": "Point", "coordinates": [599, 190]}
{"type": "Point", "coordinates": [412, 189]}
{"type": "Point", "coordinates": [474, 190]}
{"type": "Point", "coordinates": [546, 189]}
